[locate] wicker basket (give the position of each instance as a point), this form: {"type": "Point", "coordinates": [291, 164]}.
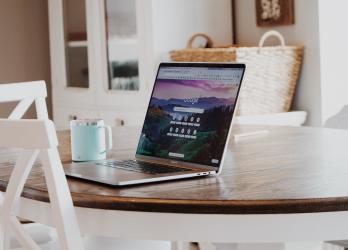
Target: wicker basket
{"type": "Point", "coordinates": [206, 54]}
{"type": "Point", "coordinates": [271, 75]}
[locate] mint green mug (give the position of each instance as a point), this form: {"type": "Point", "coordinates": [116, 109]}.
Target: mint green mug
{"type": "Point", "coordinates": [88, 139]}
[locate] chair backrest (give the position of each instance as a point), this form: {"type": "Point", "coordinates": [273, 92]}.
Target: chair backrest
{"type": "Point", "coordinates": [26, 93]}
{"type": "Point", "coordinates": [37, 138]}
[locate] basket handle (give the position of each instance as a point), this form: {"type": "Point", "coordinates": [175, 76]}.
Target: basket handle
{"type": "Point", "coordinates": [269, 34]}
{"type": "Point", "coordinates": [205, 36]}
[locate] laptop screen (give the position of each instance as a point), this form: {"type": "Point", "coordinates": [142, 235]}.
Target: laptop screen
{"type": "Point", "coordinates": [190, 112]}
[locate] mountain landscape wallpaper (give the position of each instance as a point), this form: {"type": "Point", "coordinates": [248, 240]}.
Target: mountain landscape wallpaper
{"type": "Point", "coordinates": [216, 102]}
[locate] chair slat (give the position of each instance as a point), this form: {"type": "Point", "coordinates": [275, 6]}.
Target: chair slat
{"type": "Point", "coordinates": [20, 91]}
{"type": "Point", "coordinates": [41, 108]}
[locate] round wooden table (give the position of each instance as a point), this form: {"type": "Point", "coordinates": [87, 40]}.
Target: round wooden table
{"type": "Point", "coordinates": [288, 185]}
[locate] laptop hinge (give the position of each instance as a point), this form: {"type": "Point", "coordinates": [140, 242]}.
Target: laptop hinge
{"type": "Point", "coordinates": [174, 163]}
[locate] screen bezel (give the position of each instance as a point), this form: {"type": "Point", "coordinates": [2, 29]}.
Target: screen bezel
{"type": "Point", "coordinates": [198, 65]}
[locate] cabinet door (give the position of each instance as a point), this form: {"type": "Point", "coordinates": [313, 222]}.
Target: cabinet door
{"type": "Point", "coordinates": [73, 81]}
{"type": "Point", "coordinates": [120, 38]}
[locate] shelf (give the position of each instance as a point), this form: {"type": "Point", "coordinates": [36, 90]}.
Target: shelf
{"type": "Point", "coordinates": [82, 43]}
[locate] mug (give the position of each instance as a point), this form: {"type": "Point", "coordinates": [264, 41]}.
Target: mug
{"type": "Point", "coordinates": [88, 139]}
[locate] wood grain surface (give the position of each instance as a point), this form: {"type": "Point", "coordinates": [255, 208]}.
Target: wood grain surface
{"type": "Point", "coordinates": [290, 170]}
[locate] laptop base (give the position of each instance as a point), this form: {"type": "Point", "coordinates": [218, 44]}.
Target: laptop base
{"type": "Point", "coordinates": [102, 173]}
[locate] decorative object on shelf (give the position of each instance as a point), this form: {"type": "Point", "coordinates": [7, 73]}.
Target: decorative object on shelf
{"type": "Point", "coordinates": [274, 12]}
{"type": "Point", "coordinates": [207, 41]}
{"type": "Point", "coordinates": [271, 75]}
{"type": "Point", "coordinates": [122, 44]}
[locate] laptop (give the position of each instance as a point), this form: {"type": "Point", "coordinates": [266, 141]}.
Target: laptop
{"type": "Point", "coordinates": [186, 128]}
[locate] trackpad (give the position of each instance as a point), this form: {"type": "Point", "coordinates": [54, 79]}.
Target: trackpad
{"type": "Point", "coordinates": [100, 173]}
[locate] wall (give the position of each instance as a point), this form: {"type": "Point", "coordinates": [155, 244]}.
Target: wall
{"type": "Point", "coordinates": [24, 46]}
{"type": "Point", "coordinates": [172, 29]}
{"type": "Point", "coordinates": [305, 31]}
{"type": "Point", "coordinates": [334, 53]}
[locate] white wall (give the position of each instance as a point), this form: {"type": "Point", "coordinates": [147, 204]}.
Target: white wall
{"type": "Point", "coordinates": [334, 54]}
{"type": "Point", "coordinates": [305, 31]}
{"type": "Point", "coordinates": [174, 22]}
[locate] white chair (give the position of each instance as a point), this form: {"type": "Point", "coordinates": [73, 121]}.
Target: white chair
{"type": "Point", "coordinates": [37, 139]}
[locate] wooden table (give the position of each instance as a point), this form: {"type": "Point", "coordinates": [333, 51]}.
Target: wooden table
{"type": "Point", "coordinates": [291, 184]}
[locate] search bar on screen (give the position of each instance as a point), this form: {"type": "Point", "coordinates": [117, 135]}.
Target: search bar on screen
{"type": "Point", "coordinates": [189, 110]}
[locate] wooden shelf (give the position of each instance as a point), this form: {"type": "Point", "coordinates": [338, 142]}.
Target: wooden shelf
{"type": "Point", "coordinates": [82, 43]}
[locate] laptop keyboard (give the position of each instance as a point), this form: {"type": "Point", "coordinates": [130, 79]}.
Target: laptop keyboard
{"type": "Point", "coordinates": [141, 167]}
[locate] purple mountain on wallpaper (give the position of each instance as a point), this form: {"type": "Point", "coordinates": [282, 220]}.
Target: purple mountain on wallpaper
{"type": "Point", "coordinates": [181, 89]}
{"type": "Point", "coordinates": [203, 102]}
{"type": "Point", "coordinates": [207, 85]}
{"type": "Point", "coordinates": [204, 94]}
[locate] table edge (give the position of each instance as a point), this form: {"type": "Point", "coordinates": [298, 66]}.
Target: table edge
{"type": "Point", "coordinates": [274, 206]}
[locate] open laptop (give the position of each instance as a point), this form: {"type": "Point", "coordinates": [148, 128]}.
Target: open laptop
{"type": "Point", "coordinates": [186, 128]}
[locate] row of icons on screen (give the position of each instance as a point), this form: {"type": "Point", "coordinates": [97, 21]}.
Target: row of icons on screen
{"type": "Point", "coordinates": [186, 119]}
{"type": "Point", "coordinates": [182, 131]}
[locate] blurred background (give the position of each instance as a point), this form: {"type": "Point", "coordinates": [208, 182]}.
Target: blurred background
{"type": "Point", "coordinates": [99, 58]}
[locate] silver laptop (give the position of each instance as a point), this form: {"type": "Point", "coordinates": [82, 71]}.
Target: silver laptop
{"type": "Point", "coordinates": [186, 127]}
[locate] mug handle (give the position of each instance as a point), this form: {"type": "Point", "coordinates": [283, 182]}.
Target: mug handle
{"type": "Point", "coordinates": [109, 136]}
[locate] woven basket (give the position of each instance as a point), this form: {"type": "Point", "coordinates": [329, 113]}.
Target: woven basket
{"type": "Point", "coordinates": [271, 76]}
{"type": "Point", "coordinates": [206, 54]}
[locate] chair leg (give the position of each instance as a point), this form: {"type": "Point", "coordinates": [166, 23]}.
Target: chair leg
{"type": "Point", "coordinates": [16, 183]}
{"type": "Point", "coordinates": [3, 236]}
{"type": "Point", "coordinates": [7, 240]}
{"type": "Point", "coordinates": [23, 237]}
{"type": "Point", "coordinates": [62, 207]}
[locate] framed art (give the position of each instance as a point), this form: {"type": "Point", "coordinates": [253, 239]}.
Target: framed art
{"type": "Point", "coordinates": [274, 12]}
